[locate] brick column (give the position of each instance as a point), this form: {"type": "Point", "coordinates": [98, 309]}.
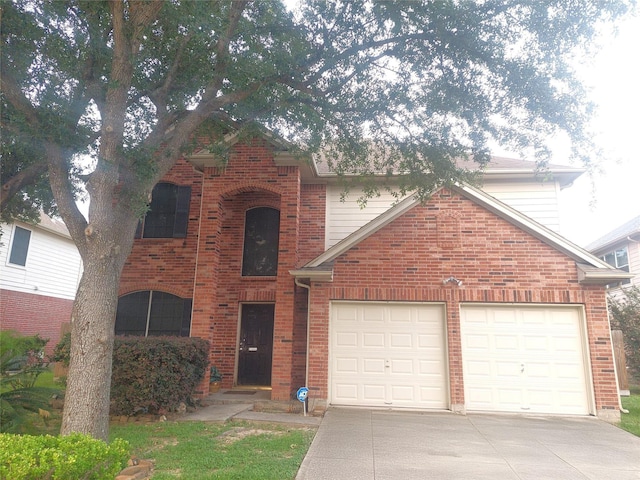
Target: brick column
{"type": "Point", "coordinates": [282, 366]}
{"type": "Point", "coordinates": [206, 276]}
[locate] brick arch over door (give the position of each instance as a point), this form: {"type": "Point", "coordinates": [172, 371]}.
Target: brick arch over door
{"type": "Point", "coordinates": [249, 187]}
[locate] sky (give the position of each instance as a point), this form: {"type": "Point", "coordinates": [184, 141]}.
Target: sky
{"type": "Point", "coordinates": [586, 214]}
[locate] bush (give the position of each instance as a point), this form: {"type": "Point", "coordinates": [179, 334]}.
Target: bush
{"type": "Point", "coordinates": [625, 315]}
{"type": "Point", "coordinates": [77, 456]}
{"type": "Point", "coordinates": [153, 373]}
{"type": "Point", "coordinates": [62, 351]}
{"type": "Point", "coordinates": [156, 373]}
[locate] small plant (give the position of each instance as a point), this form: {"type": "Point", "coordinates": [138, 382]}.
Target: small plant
{"type": "Point", "coordinates": [625, 315]}
{"type": "Point", "coordinates": [26, 457]}
{"type": "Point", "coordinates": [62, 350]}
{"type": "Point", "coordinates": [21, 362]}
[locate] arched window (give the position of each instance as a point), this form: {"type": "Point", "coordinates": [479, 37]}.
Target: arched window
{"type": "Point", "coordinates": [261, 233]}
{"type": "Point", "coordinates": [153, 313]}
{"type": "Point", "coordinates": [168, 212]}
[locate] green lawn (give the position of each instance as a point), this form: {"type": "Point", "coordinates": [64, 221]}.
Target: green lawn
{"type": "Point", "coordinates": [631, 421]}
{"type": "Point", "coordinates": [235, 450]}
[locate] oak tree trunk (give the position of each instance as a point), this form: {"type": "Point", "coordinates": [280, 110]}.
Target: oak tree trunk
{"type": "Point", "coordinates": [86, 406]}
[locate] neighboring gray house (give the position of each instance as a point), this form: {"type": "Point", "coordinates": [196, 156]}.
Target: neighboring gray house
{"type": "Point", "coordinates": [620, 248]}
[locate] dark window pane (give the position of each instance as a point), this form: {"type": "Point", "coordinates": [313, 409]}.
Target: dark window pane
{"type": "Point", "coordinates": [168, 213]}
{"type": "Point", "coordinates": [166, 314]}
{"type": "Point", "coordinates": [162, 212]}
{"type": "Point", "coordinates": [131, 317]}
{"type": "Point", "coordinates": [261, 233]}
{"type": "Point", "coordinates": [20, 246]}
{"type": "Point", "coordinates": [169, 314]}
{"type": "Point", "coordinates": [183, 201]}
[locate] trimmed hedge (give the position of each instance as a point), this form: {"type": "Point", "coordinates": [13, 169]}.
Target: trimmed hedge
{"type": "Point", "coordinates": [156, 374]}
{"type": "Point", "coordinates": [73, 457]}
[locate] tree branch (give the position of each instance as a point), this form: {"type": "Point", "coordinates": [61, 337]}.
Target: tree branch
{"type": "Point", "coordinates": [20, 180]}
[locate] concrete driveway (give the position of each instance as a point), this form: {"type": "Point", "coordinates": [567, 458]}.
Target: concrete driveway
{"type": "Point", "coordinates": [353, 444]}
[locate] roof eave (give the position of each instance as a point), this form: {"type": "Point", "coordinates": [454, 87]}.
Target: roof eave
{"type": "Point", "coordinates": [313, 275]}
{"type": "Point", "coordinates": [589, 276]}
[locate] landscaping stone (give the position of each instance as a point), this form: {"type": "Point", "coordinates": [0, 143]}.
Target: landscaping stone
{"type": "Point", "coordinates": [137, 470]}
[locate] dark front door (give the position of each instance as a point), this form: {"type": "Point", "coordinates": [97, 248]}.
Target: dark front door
{"type": "Point", "coordinates": [256, 344]}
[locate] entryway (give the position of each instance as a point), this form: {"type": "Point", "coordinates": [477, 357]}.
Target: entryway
{"type": "Point", "coordinates": [255, 347]}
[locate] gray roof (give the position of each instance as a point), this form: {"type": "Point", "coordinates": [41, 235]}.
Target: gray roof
{"type": "Point", "coordinates": [632, 227]}
{"type": "Point", "coordinates": [498, 167]}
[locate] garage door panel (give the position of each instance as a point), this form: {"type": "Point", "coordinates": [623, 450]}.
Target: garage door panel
{"type": "Point", "coordinates": [347, 339]}
{"type": "Point", "coordinates": [346, 365]}
{"type": "Point", "coordinates": [503, 343]}
{"type": "Point", "coordinates": [371, 314]}
{"type": "Point", "coordinates": [400, 352]}
{"type": "Point", "coordinates": [403, 367]}
{"type": "Point", "coordinates": [346, 391]}
{"type": "Point", "coordinates": [401, 340]}
{"type": "Point", "coordinates": [373, 340]}
{"type": "Point", "coordinates": [374, 392]}
{"type": "Point", "coordinates": [372, 365]}
{"type": "Point", "coordinates": [400, 314]}
{"type": "Point", "coordinates": [524, 359]}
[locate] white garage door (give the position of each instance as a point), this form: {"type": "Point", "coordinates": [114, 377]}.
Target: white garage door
{"type": "Point", "coordinates": [524, 359]}
{"type": "Point", "coordinates": [388, 354]}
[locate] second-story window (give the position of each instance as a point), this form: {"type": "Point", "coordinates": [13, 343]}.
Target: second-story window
{"type": "Point", "coordinates": [261, 233]}
{"type": "Point", "coordinates": [618, 258]}
{"type": "Point", "coordinates": [20, 246]}
{"type": "Point", "coordinates": [168, 213]}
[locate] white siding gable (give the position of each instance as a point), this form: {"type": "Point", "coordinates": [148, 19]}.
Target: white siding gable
{"type": "Point", "coordinates": [537, 200]}
{"type": "Point", "coordinates": [345, 217]}
{"type": "Point", "coordinates": [53, 266]}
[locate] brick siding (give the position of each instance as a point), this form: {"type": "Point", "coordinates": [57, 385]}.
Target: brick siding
{"type": "Point", "coordinates": [408, 260]}
{"type": "Point", "coordinates": [32, 314]}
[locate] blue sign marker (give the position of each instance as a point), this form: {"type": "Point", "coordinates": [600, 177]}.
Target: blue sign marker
{"type": "Point", "coordinates": [302, 394]}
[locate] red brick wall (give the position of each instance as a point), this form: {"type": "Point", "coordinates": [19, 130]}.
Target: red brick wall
{"type": "Point", "coordinates": [167, 264]}
{"type": "Point", "coordinates": [451, 236]}
{"type": "Point", "coordinates": [313, 206]}
{"type": "Point", "coordinates": [34, 314]}
{"type": "Point", "coordinates": [250, 179]}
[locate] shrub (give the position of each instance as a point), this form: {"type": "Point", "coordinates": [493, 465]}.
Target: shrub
{"type": "Point", "coordinates": [21, 362]}
{"type": "Point", "coordinates": [62, 351]}
{"type": "Point", "coordinates": [77, 456]}
{"type": "Point", "coordinates": [152, 373]}
{"type": "Point", "coordinates": [625, 315]}
{"type": "Point", "coordinates": [155, 373]}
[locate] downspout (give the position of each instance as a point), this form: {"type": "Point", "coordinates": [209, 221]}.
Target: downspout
{"type": "Point", "coordinates": [308, 287]}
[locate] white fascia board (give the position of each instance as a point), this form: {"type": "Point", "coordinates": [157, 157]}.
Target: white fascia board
{"type": "Point", "coordinates": [325, 275]}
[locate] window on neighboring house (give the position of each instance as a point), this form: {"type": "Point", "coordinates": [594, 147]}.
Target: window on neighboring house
{"type": "Point", "coordinates": [620, 259]}
{"type": "Point", "coordinates": [153, 313]}
{"type": "Point", "coordinates": [261, 233]}
{"type": "Point", "coordinates": [20, 246]}
{"type": "Point", "coordinates": [168, 213]}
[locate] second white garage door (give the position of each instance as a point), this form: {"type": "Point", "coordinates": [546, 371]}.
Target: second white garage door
{"type": "Point", "coordinates": [388, 354]}
{"type": "Point", "coordinates": [524, 359]}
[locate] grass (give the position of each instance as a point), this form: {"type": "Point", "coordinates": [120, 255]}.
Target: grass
{"type": "Point", "coordinates": [235, 450]}
{"type": "Point", "coordinates": [631, 421]}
